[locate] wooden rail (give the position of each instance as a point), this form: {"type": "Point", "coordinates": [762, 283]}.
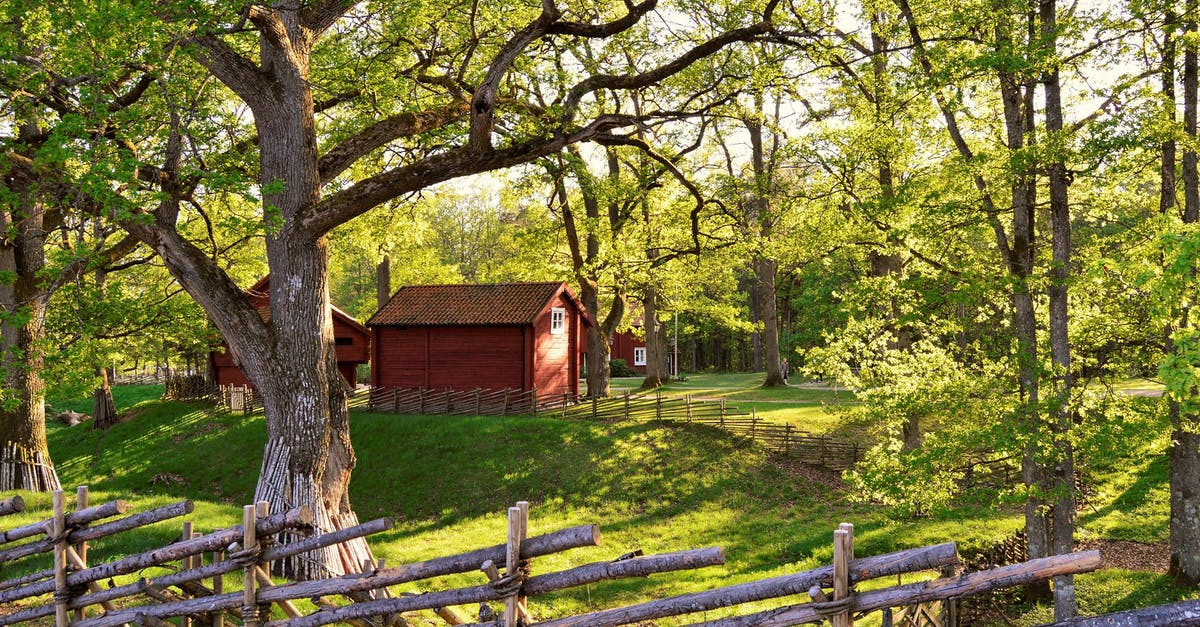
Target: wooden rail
{"type": "Point", "coordinates": [182, 594]}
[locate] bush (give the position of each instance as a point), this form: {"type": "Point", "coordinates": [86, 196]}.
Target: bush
{"type": "Point", "coordinates": [618, 368]}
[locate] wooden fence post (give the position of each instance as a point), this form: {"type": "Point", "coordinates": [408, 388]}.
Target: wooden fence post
{"type": "Point", "coordinates": [477, 393]}
{"type": "Point", "coordinates": [533, 401]}
{"type": "Point", "coordinates": [626, 404]}
{"type": "Point", "coordinates": [62, 594]}
{"type": "Point", "coordinates": [504, 410]}
{"type": "Point", "coordinates": [843, 553]}
{"type": "Point", "coordinates": [395, 400]}
{"type": "Point", "coordinates": [687, 400]}
{"type": "Point", "coordinates": [447, 411]}
{"type": "Point", "coordinates": [218, 617]}
{"type": "Point", "coordinates": [81, 549]}
{"type": "Point", "coordinates": [186, 564]}
{"type": "Point", "coordinates": [658, 406]}
{"type": "Point", "coordinates": [787, 439]}
{"type": "Point", "coordinates": [249, 576]}
{"type": "Point", "coordinates": [517, 528]}
{"type": "Point", "coordinates": [722, 413]}
{"type": "Point", "coordinates": [595, 401]}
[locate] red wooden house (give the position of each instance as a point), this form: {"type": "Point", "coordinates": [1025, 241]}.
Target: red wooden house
{"type": "Point", "coordinates": [352, 339]}
{"type": "Point", "coordinates": [632, 348]}
{"type": "Point", "coordinates": [521, 336]}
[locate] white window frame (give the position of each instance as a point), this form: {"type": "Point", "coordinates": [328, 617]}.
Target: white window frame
{"type": "Point", "coordinates": [558, 320]}
{"type": "Point", "coordinates": [639, 355]}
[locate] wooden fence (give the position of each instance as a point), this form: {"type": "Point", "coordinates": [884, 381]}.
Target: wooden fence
{"type": "Point", "coordinates": [477, 402]}
{"type": "Point", "coordinates": [818, 450]}
{"type": "Point", "coordinates": [71, 591]}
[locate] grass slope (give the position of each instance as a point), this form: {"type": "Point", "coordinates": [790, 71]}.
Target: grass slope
{"type": "Point", "coordinates": [448, 481]}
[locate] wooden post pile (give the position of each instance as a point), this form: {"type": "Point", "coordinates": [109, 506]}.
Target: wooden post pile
{"type": "Point", "coordinates": [74, 584]}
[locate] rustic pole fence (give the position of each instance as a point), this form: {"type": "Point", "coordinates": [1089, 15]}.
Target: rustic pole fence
{"type": "Point", "coordinates": [248, 548]}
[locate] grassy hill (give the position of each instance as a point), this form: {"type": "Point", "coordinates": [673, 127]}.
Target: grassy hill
{"type": "Point", "coordinates": [448, 481]}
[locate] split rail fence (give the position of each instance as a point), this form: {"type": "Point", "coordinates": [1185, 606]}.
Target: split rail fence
{"type": "Point", "coordinates": [818, 450]}
{"type": "Point", "coordinates": [193, 590]}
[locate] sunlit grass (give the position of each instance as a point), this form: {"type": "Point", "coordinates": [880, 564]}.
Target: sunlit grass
{"type": "Point", "coordinates": [448, 481]}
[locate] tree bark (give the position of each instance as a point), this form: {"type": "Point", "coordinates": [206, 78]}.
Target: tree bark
{"type": "Point", "coordinates": [887, 263]}
{"type": "Point", "coordinates": [104, 410]}
{"type": "Point", "coordinates": [656, 366]}
{"type": "Point", "coordinates": [586, 263]}
{"type": "Point", "coordinates": [24, 453]}
{"type": "Point", "coordinates": [383, 281]}
{"type": "Point", "coordinates": [1062, 418]}
{"type": "Point", "coordinates": [767, 270]}
{"type": "Point", "coordinates": [1184, 536]}
{"type": "Point", "coordinates": [760, 222]}
{"type": "Point", "coordinates": [290, 359]}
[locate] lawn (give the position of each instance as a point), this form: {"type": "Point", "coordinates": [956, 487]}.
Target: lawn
{"type": "Point", "coordinates": [448, 480]}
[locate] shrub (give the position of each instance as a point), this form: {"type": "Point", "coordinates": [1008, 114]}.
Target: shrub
{"type": "Point", "coordinates": [618, 368]}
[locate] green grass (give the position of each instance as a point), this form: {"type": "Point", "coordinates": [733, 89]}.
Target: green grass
{"type": "Point", "coordinates": [448, 481]}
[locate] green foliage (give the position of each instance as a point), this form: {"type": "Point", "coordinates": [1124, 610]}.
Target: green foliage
{"type": "Point", "coordinates": [618, 368]}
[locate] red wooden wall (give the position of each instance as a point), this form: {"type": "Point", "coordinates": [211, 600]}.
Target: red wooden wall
{"type": "Point", "coordinates": [465, 357]}
{"type": "Point", "coordinates": [353, 348]}
{"type": "Point", "coordinates": [622, 346]}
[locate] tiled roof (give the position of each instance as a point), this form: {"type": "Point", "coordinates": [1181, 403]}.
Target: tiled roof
{"type": "Point", "coordinates": [460, 305]}
{"type": "Point", "coordinates": [260, 297]}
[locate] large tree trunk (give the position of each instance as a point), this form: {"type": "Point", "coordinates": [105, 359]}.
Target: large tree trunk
{"type": "Point", "coordinates": [104, 410]}
{"type": "Point", "coordinates": [656, 358]}
{"type": "Point", "coordinates": [1062, 419]}
{"type": "Point", "coordinates": [291, 359]}
{"type": "Point", "coordinates": [887, 263]}
{"type": "Point", "coordinates": [599, 336]}
{"type": "Point", "coordinates": [767, 269]}
{"type": "Point", "coordinates": [308, 457]}
{"type": "Point", "coordinates": [383, 281]}
{"type": "Point", "coordinates": [1185, 443]}
{"type": "Point", "coordinates": [1018, 114]}
{"type": "Point", "coordinates": [759, 225]}
{"type": "Point", "coordinates": [24, 454]}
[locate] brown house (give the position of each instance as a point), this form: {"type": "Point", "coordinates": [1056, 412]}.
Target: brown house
{"type": "Point", "coordinates": [352, 339]}
{"type": "Point", "coordinates": [522, 336]}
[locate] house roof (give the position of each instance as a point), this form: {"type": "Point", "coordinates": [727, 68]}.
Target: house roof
{"type": "Point", "coordinates": [496, 304]}
{"type": "Point", "coordinates": [260, 296]}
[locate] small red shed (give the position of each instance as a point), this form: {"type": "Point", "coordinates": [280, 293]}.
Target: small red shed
{"type": "Point", "coordinates": [522, 336]}
{"type": "Point", "coordinates": [352, 339]}
{"type": "Point", "coordinates": [632, 348]}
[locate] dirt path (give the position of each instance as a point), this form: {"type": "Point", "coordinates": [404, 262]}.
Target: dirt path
{"type": "Point", "coordinates": [1130, 555]}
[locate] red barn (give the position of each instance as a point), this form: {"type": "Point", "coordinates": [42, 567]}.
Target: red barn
{"type": "Point", "coordinates": [625, 345]}
{"type": "Point", "coordinates": [352, 339]}
{"type": "Point", "coordinates": [522, 336]}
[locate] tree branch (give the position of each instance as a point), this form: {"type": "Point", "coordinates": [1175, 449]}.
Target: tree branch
{"type": "Point", "coordinates": [379, 134]}
{"type": "Point", "coordinates": [483, 104]}
{"type": "Point", "coordinates": [636, 11]}
{"type": "Point", "coordinates": [321, 15]}
{"type": "Point", "coordinates": [235, 71]}
{"type": "Point", "coordinates": [321, 217]}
